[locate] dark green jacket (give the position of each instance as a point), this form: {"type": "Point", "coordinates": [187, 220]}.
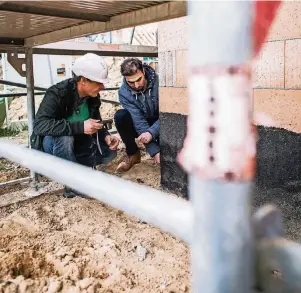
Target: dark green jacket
{"type": "Point", "coordinates": [59, 103]}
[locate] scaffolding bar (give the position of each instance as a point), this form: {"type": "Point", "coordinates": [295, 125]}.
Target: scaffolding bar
{"type": "Point", "coordinates": [81, 48]}
{"type": "Point", "coordinates": [222, 241]}
{"type": "Point", "coordinates": [166, 211]}
{"type": "Point", "coordinates": [110, 101]}
{"type": "Point", "coordinates": [43, 93]}
{"type": "Point", "coordinates": [13, 95]}
{"type": "Point", "coordinates": [30, 101]}
{"type": "Point", "coordinates": [21, 85]}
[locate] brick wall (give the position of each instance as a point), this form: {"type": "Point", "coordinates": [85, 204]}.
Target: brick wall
{"type": "Point", "coordinates": [277, 92]}
{"type": "Point", "coordinates": [172, 38]}
{"type": "Point", "coordinates": [277, 72]}
{"type": "Point", "coordinates": [173, 45]}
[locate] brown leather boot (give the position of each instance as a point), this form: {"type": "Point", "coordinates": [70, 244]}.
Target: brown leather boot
{"type": "Point", "coordinates": [129, 162]}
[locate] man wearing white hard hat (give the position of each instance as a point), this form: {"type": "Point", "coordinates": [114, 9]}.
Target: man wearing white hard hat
{"type": "Point", "coordinates": [68, 122]}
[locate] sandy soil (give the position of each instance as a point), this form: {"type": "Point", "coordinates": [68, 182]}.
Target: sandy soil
{"type": "Point", "coordinates": [51, 244]}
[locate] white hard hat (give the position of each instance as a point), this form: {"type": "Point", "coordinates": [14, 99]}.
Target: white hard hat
{"type": "Point", "coordinates": [92, 67]}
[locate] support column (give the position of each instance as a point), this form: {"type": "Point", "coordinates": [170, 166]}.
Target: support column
{"type": "Point", "coordinates": [4, 58]}
{"type": "Point", "coordinates": [220, 37]}
{"type": "Point", "coordinates": [30, 102]}
{"type": "Point", "coordinates": [6, 111]}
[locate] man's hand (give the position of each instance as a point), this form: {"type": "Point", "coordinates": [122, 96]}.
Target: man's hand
{"type": "Point", "coordinates": [157, 158]}
{"type": "Point", "coordinates": [145, 137]}
{"type": "Point", "coordinates": [91, 126]}
{"type": "Point", "coordinates": [112, 142]}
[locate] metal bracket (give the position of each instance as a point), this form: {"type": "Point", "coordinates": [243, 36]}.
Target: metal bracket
{"type": "Point", "coordinates": [17, 61]}
{"type": "Point", "coordinates": [278, 260]}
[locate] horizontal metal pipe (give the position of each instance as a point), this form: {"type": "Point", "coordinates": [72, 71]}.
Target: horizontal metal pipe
{"type": "Point", "coordinates": [43, 93]}
{"type": "Point", "coordinates": [21, 85]}
{"type": "Point", "coordinates": [110, 101]}
{"type": "Point", "coordinates": [14, 182]}
{"type": "Point", "coordinates": [111, 89]}
{"type": "Point", "coordinates": [19, 95]}
{"type": "Point", "coordinates": [45, 51]}
{"type": "Point", "coordinates": [66, 52]}
{"type": "Point", "coordinates": [165, 211]}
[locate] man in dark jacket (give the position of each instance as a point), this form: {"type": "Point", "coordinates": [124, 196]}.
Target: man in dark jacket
{"type": "Point", "coordinates": [139, 119]}
{"type": "Point", "coordinates": [68, 122]}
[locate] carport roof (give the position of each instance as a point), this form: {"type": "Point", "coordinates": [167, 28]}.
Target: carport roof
{"type": "Point", "coordinates": [32, 23]}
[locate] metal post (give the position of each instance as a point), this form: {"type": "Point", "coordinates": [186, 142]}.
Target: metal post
{"type": "Point", "coordinates": [30, 102]}
{"type": "Point", "coordinates": [220, 36]}
{"type": "Point", "coordinates": [6, 113]}
{"type": "Point", "coordinates": [132, 35]}
{"type": "Point", "coordinates": [4, 58]}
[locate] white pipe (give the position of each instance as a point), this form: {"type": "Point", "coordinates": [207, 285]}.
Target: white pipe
{"type": "Point", "coordinates": [168, 212]}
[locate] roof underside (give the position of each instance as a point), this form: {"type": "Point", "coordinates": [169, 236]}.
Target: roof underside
{"type": "Point", "coordinates": [32, 23]}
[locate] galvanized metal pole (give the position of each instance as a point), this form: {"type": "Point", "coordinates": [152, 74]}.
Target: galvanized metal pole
{"type": "Point", "coordinates": [30, 102]}
{"type": "Point", "coordinates": [6, 112]}
{"type": "Point", "coordinates": [220, 37]}
{"type": "Point", "coordinates": [166, 211]}
{"type": "Point", "coordinates": [132, 35]}
{"type": "Point", "coordinates": [4, 58]}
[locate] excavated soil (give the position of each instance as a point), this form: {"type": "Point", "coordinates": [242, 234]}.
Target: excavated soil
{"type": "Point", "coordinates": [52, 244]}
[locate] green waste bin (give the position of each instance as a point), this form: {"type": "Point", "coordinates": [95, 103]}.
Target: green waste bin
{"type": "Point", "coordinates": [2, 109]}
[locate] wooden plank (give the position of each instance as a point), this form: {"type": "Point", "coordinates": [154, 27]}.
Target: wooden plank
{"type": "Point", "coordinates": [152, 14]}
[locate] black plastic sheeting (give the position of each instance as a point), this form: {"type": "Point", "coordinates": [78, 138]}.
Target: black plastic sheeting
{"type": "Point", "coordinates": [278, 156]}
{"type": "Point", "coordinates": [172, 135]}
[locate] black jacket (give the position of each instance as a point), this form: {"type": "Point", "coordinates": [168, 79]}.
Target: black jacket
{"type": "Point", "coordinates": [59, 103]}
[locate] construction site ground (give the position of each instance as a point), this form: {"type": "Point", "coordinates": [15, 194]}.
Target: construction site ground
{"type": "Point", "coordinates": [52, 244]}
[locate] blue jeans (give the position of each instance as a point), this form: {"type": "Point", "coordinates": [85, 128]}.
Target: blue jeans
{"type": "Point", "coordinates": [64, 147]}
{"type": "Point", "coordinates": [125, 127]}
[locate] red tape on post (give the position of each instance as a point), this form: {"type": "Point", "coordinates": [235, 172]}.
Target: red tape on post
{"type": "Point", "coordinates": [220, 142]}
{"type": "Point", "coordinates": [265, 12]}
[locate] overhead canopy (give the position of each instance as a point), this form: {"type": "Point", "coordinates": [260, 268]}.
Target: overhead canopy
{"type": "Point", "coordinates": [32, 23]}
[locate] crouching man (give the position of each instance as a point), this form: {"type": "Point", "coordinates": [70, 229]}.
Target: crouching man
{"type": "Point", "coordinates": [139, 117]}
{"type": "Point", "coordinates": [68, 121]}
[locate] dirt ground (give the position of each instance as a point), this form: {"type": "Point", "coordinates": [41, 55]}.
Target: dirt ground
{"type": "Point", "coordinates": [52, 244]}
